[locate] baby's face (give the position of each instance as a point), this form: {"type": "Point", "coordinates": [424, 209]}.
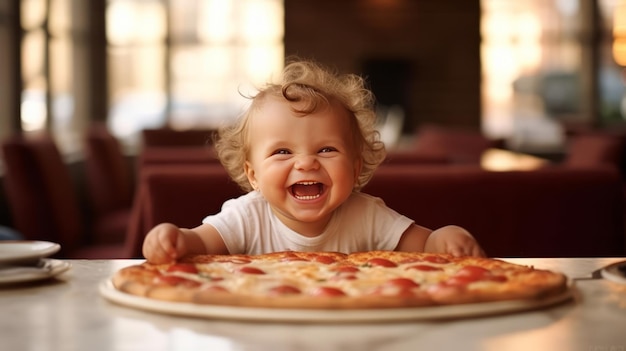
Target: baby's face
{"type": "Point", "coordinates": [305, 166]}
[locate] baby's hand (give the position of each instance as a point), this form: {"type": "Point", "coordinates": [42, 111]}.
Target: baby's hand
{"type": "Point", "coordinates": [453, 240]}
{"type": "Point", "coordinates": [164, 244]}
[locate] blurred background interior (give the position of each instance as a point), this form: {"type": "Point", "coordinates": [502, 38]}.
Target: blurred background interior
{"type": "Point", "coordinates": [526, 75]}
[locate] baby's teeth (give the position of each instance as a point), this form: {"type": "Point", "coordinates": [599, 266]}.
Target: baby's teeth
{"type": "Point", "coordinates": [308, 197]}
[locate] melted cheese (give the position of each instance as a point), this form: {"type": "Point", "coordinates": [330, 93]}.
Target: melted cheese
{"type": "Point", "coordinates": [309, 276]}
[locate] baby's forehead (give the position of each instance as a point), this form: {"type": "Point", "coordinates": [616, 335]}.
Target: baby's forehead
{"type": "Point", "coordinates": [275, 109]}
{"type": "Point", "coordinates": [299, 108]}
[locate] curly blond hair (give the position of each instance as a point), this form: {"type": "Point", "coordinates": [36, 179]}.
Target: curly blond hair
{"type": "Point", "coordinates": [309, 86]}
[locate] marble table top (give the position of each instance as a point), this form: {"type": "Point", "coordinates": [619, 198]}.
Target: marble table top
{"type": "Point", "coordinates": [69, 313]}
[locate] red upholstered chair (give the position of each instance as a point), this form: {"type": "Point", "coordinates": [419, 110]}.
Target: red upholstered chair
{"type": "Point", "coordinates": [551, 212]}
{"type": "Point", "coordinates": [169, 146]}
{"type": "Point", "coordinates": [155, 155]}
{"type": "Point", "coordinates": [110, 184]}
{"type": "Point", "coordinates": [180, 194]}
{"type": "Point", "coordinates": [167, 137]}
{"type": "Point", "coordinates": [455, 144]}
{"type": "Point", "coordinates": [594, 149]}
{"type": "Point", "coordinates": [43, 199]}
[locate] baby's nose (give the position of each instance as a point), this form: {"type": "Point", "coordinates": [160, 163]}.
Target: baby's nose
{"type": "Point", "coordinates": [306, 162]}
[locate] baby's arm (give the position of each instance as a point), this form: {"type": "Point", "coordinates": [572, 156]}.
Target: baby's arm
{"type": "Point", "coordinates": [413, 239]}
{"type": "Point", "coordinates": [453, 240]}
{"type": "Point", "coordinates": [166, 242]}
{"type": "Point", "coordinates": [449, 239]}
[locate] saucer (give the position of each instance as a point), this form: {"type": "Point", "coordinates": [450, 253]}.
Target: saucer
{"type": "Point", "coordinates": [12, 251]}
{"type": "Point", "coordinates": [46, 268]}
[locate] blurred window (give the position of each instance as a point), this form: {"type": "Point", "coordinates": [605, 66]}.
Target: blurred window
{"type": "Point", "coordinates": [186, 64]}
{"type": "Point", "coordinates": [47, 101]}
{"type": "Point", "coordinates": [543, 72]}
{"type": "Point", "coordinates": [612, 60]}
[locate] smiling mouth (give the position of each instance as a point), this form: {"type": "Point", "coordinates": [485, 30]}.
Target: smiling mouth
{"type": "Point", "coordinates": [307, 190]}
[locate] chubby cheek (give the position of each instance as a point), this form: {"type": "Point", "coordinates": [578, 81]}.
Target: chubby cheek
{"type": "Point", "coordinates": [350, 183]}
{"type": "Point", "coordinates": [344, 177]}
{"type": "Point", "coordinates": [273, 175]}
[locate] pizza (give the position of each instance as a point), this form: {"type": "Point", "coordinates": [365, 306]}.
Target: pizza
{"type": "Point", "coordinates": [332, 280]}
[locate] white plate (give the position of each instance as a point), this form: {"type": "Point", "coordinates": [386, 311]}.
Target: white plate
{"type": "Point", "coordinates": [24, 250]}
{"type": "Point", "coordinates": [47, 268]}
{"type": "Point", "coordinates": [612, 272]}
{"type": "Point", "coordinates": [306, 315]}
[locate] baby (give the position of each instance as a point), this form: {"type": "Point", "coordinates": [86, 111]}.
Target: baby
{"type": "Point", "coordinates": [303, 150]}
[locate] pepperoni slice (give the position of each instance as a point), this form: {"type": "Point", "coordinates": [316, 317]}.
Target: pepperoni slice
{"type": "Point", "coordinates": [400, 287]}
{"type": "Point", "coordinates": [498, 278]}
{"type": "Point", "coordinates": [436, 259]}
{"type": "Point", "coordinates": [473, 272]}
{"type": "Point", "coordinates": [251, 270]}
{"type": "Point", "coordinates": [327, 291]}
{"type": "Point", "coordinates": [284, 290]}
{"type": "Point", "coordinates": [183, 267]}
{"type": "Point", "coordinates": [470, 274]}
{"type": "Point", "coordinates": [424, 268]}
{"type": "Point", "coordinates": [323, 259]}
{"type": "Point", "coordinates": [382, 262]}
{"type": "Point", "coordinates": [467, 275]}
{"type": "Point", "coordinates": [404, 283]}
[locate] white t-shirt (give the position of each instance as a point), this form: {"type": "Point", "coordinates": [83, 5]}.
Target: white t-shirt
{"type": "Point", "coordinates": [362, 223]}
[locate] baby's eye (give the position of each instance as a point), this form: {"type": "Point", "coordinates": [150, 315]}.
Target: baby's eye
{"type": "Point", "coordinates": [281, 152]}
{"type": "Point", "coordinates": [327, 149]}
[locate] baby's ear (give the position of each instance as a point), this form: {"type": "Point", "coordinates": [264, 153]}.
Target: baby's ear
{"type": "Point", "coordinates": [249, 170]}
